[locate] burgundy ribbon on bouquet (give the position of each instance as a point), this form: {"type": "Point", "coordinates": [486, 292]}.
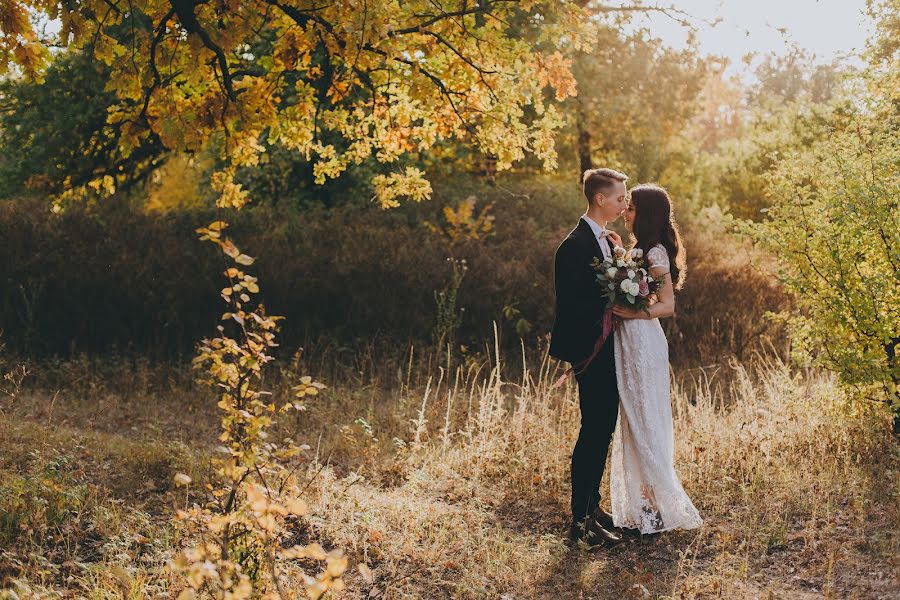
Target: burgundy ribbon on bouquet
{"type": "Point", "coordinates": [609, 325]}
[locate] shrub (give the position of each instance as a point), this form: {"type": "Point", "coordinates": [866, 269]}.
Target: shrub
{"type": "Point", "coordinates": [114, 280]}
{"type": "Point", "coordinates": [834, 226]}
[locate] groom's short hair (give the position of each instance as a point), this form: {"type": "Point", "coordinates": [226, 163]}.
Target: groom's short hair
{"type": "Point", "coordinates": [600, 180]}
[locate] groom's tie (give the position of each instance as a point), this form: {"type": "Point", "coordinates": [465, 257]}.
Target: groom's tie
{"type": "Point", "coordinates": [604, 244]}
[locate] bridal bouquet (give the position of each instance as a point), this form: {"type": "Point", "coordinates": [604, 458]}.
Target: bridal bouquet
{"type": "Point", "coordinates": [624, 278]}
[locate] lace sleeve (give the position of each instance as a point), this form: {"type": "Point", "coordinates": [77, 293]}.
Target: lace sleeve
{"type": "Point", "coordinates": [658, 257]}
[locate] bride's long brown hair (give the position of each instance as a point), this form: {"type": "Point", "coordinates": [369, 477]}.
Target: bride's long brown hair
{"type": "Point", "coordinates": [654, 224]}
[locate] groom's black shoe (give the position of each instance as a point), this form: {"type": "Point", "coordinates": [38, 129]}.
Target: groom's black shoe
{"type": "Point", "coordinates": [592, 536]}
{"type": "Point", "coordinates": [606, 537]}
{"type": "Point", "coordinates": [604, 519]}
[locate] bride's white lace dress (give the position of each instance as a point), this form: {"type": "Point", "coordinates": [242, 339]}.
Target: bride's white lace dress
{"type": "Point", "coordinates": [645, 491]}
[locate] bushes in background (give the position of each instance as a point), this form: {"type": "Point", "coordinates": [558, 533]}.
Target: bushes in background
{"type": "Point", "coordinates": [116, 280]}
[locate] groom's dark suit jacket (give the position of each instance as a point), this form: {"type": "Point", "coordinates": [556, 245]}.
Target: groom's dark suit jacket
{"type": "Point", "coordinates": [579, 301]}
{"type": "Point", "coordinates": [578, 325]}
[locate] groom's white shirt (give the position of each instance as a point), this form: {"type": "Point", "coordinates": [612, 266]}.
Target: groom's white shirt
{"type": "Point", "coordinates": [599, 233]}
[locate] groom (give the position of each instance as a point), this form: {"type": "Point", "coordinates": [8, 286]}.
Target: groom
{"type": "Point", "coordinates": [579, 313]}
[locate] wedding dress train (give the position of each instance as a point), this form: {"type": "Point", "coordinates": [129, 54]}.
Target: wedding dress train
{"type": "Point", "coordinates": [645, 491]}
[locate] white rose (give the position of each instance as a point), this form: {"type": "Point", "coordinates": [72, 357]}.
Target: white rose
{"type": "Point", "coordinates": [630, 274]}
{"type": "Point", "coordinates": [611, 272]}
{"type": "Point", "coordinates": [624, 286]}
{"type": "Point", "coordinates": [637, 252]}
{"type": "Point", "coordinates": [620, 263]}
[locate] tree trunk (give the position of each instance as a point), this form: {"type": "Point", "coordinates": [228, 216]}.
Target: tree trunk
{"type": "Point", "coordinates": [890, 350]}
{"type": "Point", "coordinates": [584, 139]}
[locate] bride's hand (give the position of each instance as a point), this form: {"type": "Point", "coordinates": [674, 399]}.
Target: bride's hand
{"type": "Point", "coordinates": [614, 237]}
{"type": "Point", "coordinates": [628, 313]}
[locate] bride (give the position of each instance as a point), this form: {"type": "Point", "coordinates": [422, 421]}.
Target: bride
{"type": "Point", "coordinates": [645, 491]}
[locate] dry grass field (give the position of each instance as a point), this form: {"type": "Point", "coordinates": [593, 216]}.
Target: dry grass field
{"type": "Point", "coordinates": [453, 483]}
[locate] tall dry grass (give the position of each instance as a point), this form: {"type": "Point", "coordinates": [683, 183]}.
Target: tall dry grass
{"type": "Point", "coordinates": [793, 480]}
{"type": "Point", "coordinates": [453, 483]}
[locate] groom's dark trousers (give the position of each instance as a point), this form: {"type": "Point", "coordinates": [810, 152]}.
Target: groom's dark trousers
{"type": "Point", "coordinates": [577, 326]}
{"type": "Point", "coordinates": [598, 397]}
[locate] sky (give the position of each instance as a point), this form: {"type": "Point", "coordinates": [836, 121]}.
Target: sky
{"type": "Point", "coordinates": [827, 28]}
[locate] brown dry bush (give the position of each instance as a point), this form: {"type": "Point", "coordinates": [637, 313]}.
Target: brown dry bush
{"type": "Point", "coordinates": [112, 280]}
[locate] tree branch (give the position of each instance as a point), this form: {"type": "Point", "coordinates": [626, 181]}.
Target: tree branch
{"type": "Point", "coordinates": [184, 9]}
{"type": "Point", "coordinates": [160, 32]}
